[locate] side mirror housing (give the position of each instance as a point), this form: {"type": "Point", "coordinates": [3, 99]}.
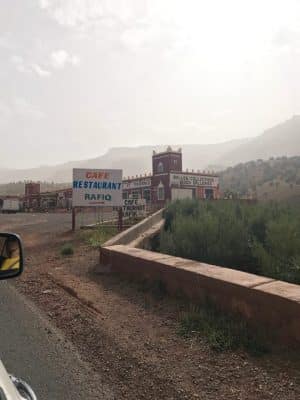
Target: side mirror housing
{"type": "Point", "coordinates": [11, 256]}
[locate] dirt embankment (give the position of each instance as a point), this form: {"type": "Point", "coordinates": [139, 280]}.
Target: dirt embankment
{"type": "Point", "coordinates": [129, 337]}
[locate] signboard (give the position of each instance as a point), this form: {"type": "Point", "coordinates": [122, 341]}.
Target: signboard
{"type": "Point", "coordinates": [97, 187]}
{"type": "Point", "coordinates": [193, 180]}
{"type": "Point", "coordinates": [134, 208]}
{"type": "Point", "coordinates": [136, 184]}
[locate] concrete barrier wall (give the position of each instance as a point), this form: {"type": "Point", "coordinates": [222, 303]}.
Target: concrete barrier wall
{"type": "Point", "coordinates": [273, 306]}
{"type": "Point", "coordinates": [143, 241]}
{"type": "Point", "coordinates": [132, 234]}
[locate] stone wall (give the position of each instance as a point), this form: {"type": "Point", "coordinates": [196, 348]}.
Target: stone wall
{"type": "Point", "coordinates": [133, 233]}
{"type": "Point", "coordinates": [273, 306]}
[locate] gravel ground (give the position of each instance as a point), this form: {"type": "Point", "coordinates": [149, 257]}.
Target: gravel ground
{"type": "Point", "coordinates": [127, 335]}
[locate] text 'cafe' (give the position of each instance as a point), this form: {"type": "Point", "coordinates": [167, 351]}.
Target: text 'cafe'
{"type": "Point", "coordinates": [169, 182]}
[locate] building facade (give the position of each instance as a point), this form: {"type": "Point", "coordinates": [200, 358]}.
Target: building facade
{"type": "Point", "coordinates": [169, 182]}
{"type": "Point", "coordinates": [34, 199]}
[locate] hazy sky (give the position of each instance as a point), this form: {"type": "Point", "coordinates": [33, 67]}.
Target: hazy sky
{"type": "Point", "coordinates": [80, 76]}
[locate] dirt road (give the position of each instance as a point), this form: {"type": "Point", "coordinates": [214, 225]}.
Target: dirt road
{"type": "Point", "coordinates": [128, 335]}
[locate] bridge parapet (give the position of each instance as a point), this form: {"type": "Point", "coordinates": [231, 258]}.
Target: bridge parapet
{"type": "Point", "coordinates": [267, 304]}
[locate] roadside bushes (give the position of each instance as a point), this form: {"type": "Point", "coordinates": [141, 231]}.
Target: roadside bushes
{"type": "Point", "coordinates": [67, 249]}
{"type": "Point", "coordinates": [258, 238]}
{"type": "Point", "coordinates": [96, 237]}
{"type": "Point", "coordinates": [222, 331]}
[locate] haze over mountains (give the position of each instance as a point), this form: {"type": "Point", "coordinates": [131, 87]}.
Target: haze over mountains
{"type": "Point", "coordinates": [281, 140]}
{"type": "Point", "coordinates": [133, 160]}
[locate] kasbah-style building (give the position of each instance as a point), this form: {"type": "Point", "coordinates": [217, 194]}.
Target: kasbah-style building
{"type": "Point", "coordinates": [167, 182]}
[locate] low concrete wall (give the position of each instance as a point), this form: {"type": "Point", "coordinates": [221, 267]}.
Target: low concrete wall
{"type": "Point", "coordinates": [133, 233]}
{"type": "Point", "coordinates": [143, 241]}
{"type": "Point", "coordinates": [268, 304]}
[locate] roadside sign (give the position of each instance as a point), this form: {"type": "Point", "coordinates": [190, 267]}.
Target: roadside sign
{"type": "Point", "coordinates": [97, 187]}
{"type": "Point", "coordinates": [182, 179]}
{"type": "Point", "coordinates": [134, 208]}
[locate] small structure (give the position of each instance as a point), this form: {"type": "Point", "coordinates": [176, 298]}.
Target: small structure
{"type": "Point", "coordinates": [34, 199]}
{"type": "Point", "coordinates": [10, 203]}
{"type": "Point", "coordinates": [32, 195]}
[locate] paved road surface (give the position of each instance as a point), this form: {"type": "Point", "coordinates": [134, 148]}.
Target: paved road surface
{"type": "Point", "coordinates": [30, 348]}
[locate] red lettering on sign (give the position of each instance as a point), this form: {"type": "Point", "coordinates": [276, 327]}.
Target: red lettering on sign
{"type": "Point", "coordinates": [97, 175]}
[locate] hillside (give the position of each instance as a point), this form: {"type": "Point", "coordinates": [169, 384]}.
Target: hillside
{"type": "Point", "coordinates": [277, 179]}
{"type": "Point", "coordinates": [18, 188]}
{"type": "Point", "coordinates": [133, 160]}
{"type": "Point", "coordinates": [281, 140]}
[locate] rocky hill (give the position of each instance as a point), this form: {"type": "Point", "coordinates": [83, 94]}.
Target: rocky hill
{"type": "Point", "coordinates": [274, 179]}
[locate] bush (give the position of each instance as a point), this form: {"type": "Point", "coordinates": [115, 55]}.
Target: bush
{"type": "Point", "coordinates": [67, 249]}
{"type": "Point", "coordinates": [222, 331]}
{"type": "Point", "coordinates": [96, 237]}
{"type": "Point", "coordinates": [257, 238]}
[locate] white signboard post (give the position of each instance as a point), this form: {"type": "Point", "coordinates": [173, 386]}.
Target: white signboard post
{"type": "Point", "coordinates": [96, 188]}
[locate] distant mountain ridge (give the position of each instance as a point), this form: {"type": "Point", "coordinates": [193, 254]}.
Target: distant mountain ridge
{"type": "Point", "coordinates": [133, 161]}
{"type": "Point", "coordinates": [281, 140]}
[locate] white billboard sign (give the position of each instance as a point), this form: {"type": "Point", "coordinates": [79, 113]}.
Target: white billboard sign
{"type": "Point", "coordinates": [97, 187]}
{"type": "Point", "coordinates": [193, 180]}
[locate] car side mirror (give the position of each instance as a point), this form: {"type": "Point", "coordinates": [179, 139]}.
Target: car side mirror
{"type": "Point", "coordinates": [11, 256]}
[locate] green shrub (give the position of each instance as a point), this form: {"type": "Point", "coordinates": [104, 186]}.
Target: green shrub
{"type": "Point", "coordinates": [96, 237]}
{"type": "Point", "coordinates": [67, 249]}
{"type": "Point", "coordinates": [222, 331]}
{"type": "Point", "coordinates": [257, 238]}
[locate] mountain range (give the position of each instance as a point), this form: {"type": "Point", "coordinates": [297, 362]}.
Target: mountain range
{"type": "Point", "coordinates": [281, 140]}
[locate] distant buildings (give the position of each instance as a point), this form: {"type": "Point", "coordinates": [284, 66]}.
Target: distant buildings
{"type": "Point", "coordinates": [37, 200]}
{"type": "Point", "coordinates": [167, 182]}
